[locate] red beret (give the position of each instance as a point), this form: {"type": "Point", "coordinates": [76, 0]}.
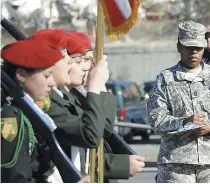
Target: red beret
{"type": "Point", "coordinates": [30, 54]}
{"type": "Point", "coordinates": [55, 38]}
{"type": "Point", "coordinates": [77, 42]}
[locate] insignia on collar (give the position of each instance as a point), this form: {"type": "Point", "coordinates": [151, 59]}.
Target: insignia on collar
{"type": "Point", "coordinates": [9, 128]}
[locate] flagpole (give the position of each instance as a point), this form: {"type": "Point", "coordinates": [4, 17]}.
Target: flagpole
{"type": "Point", "coordinates": [98, 56]}
{"type": "Point", "coordinates": [99, 33]}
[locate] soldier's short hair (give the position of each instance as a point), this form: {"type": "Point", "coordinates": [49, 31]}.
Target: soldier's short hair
{"type": "Point", "coordinates": [11, 69]}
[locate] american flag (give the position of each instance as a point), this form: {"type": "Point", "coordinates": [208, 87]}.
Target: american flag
{"type": "Point", "coordinates": [120, 16]}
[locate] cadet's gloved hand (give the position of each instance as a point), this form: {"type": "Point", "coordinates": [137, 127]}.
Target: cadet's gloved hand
{"type": "Point", "coordinates": [84, 179]}
{"type": "Point", "coordinates": [196, 118]}
{"type": "Point", "coordinates": [98, 76]}
{"type": "Point", "coordinates": [136, 164]}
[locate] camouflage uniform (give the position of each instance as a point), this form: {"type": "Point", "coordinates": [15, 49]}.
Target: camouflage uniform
{"type": "Point", "coordinates": [173, 98]}
{"type": "Point", "coordinates": [176, 173]}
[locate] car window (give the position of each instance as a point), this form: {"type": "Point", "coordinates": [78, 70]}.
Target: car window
{"type": "Point", "coordinates": [131, 92]}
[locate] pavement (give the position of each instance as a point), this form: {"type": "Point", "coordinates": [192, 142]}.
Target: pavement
{"type": "Point", "coordinates": [149, 149]}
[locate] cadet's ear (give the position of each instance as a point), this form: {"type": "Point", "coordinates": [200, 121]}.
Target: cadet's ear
{"type": "Point", "coordinates": [21, 75]}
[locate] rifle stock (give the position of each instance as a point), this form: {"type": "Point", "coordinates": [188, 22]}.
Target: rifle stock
{"type": "Point", "coordinates": [118, 145]}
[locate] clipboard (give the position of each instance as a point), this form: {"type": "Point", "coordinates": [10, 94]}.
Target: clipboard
{"type": "Point", "coordinates": [188, 127]}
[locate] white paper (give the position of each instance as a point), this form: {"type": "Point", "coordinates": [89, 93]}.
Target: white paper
{"type": "Point", "coordinates": [187, 127]}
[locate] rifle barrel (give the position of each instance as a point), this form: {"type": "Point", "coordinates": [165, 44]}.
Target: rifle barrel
{"type": "Point", "coordinates": [16, 33]}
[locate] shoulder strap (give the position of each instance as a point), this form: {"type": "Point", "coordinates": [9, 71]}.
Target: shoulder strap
{"type": "Point", "coordinates": [23, 121]}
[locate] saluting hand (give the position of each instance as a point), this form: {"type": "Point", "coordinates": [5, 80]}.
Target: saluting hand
{"type": "Point", "coordinates": [136, 164]}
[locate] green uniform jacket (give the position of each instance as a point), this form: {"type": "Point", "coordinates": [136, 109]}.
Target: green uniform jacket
{"type": "Point", "coordinates": [116, 166]}
{"type": "Point", "coordinates": [81, 129]}
{"type": "Point", "coordinates": [25, 165]}
{"type": "Point", "coordinates": [84, 128]}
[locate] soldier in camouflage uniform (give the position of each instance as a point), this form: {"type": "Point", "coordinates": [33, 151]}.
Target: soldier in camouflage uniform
{"type": "Point", "coordinates": [181, 97]}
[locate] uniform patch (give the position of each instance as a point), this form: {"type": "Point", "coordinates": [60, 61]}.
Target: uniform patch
{"type": "Point", "coordinates": [9, 128]}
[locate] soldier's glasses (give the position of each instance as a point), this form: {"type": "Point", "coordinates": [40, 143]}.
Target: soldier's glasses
{"type": "Point", "coordinates": [81, 57]}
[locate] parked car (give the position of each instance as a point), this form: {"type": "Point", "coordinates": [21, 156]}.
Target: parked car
{"type": "Point", "coordinates": [131, 107]}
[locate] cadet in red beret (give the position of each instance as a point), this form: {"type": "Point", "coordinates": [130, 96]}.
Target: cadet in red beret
{"type": "Point", "coordinates": [24, 56]}
{"type": "Point", "coordinates": [80, 49]}
{"type": "Point", "coordinates": [78, 43]}
{"type": "Point", "coordinates": [30, 64]}
{"type": "Point", "coordinates": [81, 128]}
{"type": "Point", "coordinates": [56, 39]}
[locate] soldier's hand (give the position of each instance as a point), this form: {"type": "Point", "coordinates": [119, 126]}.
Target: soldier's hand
{"type": "Point", "coordinates": [98, 76]}
{"type": "Point", "coordinates": [136, 164]}
{"type": "Point", "coordinates": [196, 118]}
{"type": "Point", "coordinates": [84, 179]}
{"type": "Point", "coordinates": [204, 130]}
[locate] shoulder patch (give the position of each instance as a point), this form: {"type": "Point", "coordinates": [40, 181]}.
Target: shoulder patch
{"type": "Point", "coordinates": [9, 128]}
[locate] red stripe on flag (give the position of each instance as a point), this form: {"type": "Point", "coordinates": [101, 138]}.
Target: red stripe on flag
{"type": "Point", "coordinates": [117, 25]}
{"type": "Point", "coordinates": [114, 10]}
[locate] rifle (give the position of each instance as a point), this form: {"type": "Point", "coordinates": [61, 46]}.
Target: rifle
{"type": "Point", "coordinates": [40, 120]}
{"type": "Point", "coordinates": [116, 142]}
{"type": "Point", "coordinates": [16, 33]}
